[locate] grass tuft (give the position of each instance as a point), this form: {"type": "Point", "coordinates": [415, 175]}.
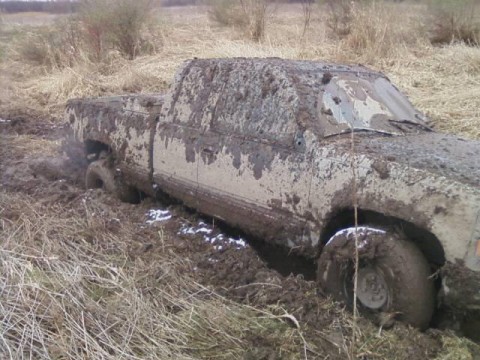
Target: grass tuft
{"type": "Point", "coordinates": [250, 16]}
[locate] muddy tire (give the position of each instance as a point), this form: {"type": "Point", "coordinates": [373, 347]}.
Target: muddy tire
{"type": "Point", "coordinates": [100, 174]}
{"type": "Point", "coordinates": [393, 278]}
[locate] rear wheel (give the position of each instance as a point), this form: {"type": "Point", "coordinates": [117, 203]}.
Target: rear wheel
{"type": "Point", "coordinates": [100, 174]}
{"type": "Point", "coordinates": [393, 276]}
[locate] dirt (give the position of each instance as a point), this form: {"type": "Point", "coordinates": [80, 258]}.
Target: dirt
{"type": "Point", "coordinates": [232, 269]}
{"type": "Point", "coordinates": [27, 123]}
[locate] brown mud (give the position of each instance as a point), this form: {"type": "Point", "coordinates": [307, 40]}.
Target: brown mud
{"type": "Point", "coordinates": [236, 272]}
{"type": "Point", "coordinates": [27, 123]}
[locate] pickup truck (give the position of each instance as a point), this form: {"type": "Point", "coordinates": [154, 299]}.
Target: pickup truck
{"type": "Point", "coordinates": [329, 160]}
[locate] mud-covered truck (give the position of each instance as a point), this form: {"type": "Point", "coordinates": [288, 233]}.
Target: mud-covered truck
{"type": "Point", "coordinates": [327, 160]}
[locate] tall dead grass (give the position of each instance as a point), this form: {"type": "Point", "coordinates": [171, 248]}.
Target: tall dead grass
{"type": "Point", "coordinates": [70, 288]}
{"type": "Point", "coordinates": [454, 20]}
{"type": "Point", "coordinates": [375, 31]}
{"type": "Point", "coordinates": [54, 47]}
{"type": "Point", "coordinates": [117, 24]}
{"type": "Point", "coordinates": [340, 15]}
{"type": "Point", "coordinates": [98, 29]}
{"type": "Point", "coordinates": [250, 16]}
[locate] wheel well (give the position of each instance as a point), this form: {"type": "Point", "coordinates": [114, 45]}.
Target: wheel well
{"type": "Point", "coordinates": [427, 242]}
{"type": "Point", "coordinates": [95, 147]}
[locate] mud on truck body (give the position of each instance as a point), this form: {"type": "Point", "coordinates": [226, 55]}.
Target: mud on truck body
{"type": "Point", "coordinates": [282, 150]}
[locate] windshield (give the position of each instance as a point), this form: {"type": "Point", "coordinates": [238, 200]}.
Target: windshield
{"type": "Point", "coordinates": [362, 101]}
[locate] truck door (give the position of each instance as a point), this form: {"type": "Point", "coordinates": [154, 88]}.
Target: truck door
{"type": "Point", "coordinates": [254, 166]}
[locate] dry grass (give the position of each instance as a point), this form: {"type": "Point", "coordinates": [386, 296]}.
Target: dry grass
{"type": "Point", "coordinates": [28, 19]}
{"type": "Point", "coordinates": [76, 281]}
{"type": "Point", "coordinates": [71, 289]}
{"type": "Point", "coordinates": [455, 20]}
{"type": "Point", "coordinates": [114, 24]}
{"type": "Point", "coordinates": [250, 16]}
{"type": "Point", "coordinates": [375, 32]}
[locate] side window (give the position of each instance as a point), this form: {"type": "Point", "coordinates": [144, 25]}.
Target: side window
{"type": "Point", "coordinates": [256, 103]}
{"type": "Point", "coordinates": [246, 98]}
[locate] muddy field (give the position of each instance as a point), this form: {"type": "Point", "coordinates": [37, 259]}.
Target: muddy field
{"type": "Point", "coordinates": [86, 276]}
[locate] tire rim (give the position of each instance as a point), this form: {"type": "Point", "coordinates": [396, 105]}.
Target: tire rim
{"type": "Point", "coordinates": [372, 289]}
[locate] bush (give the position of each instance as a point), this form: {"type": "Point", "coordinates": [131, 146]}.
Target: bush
{"type": "Point", "coordinates": [339, 16]}
{"type": "Point", "coordinates": [116, 24]}
{"type": "Point", "coordinates": [375, 32]}
{"type": "Point", "coordinates": [227, 13]}
{"type": "Point", "coordinates": [99, 27]}
{"type": "Point", "coordinates": [454, 20]}
{"type": "Point", "coordinates": [128, 19]}
{"type": "Point", "coordinates": [248, 15]}
{"type": "Point", "coordinates": [54, 47]}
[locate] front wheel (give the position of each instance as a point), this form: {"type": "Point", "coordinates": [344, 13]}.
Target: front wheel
{"type": "Point", "coordinates": [100, 174]}
{"type": "Point", "coordinates": [393, 280]}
